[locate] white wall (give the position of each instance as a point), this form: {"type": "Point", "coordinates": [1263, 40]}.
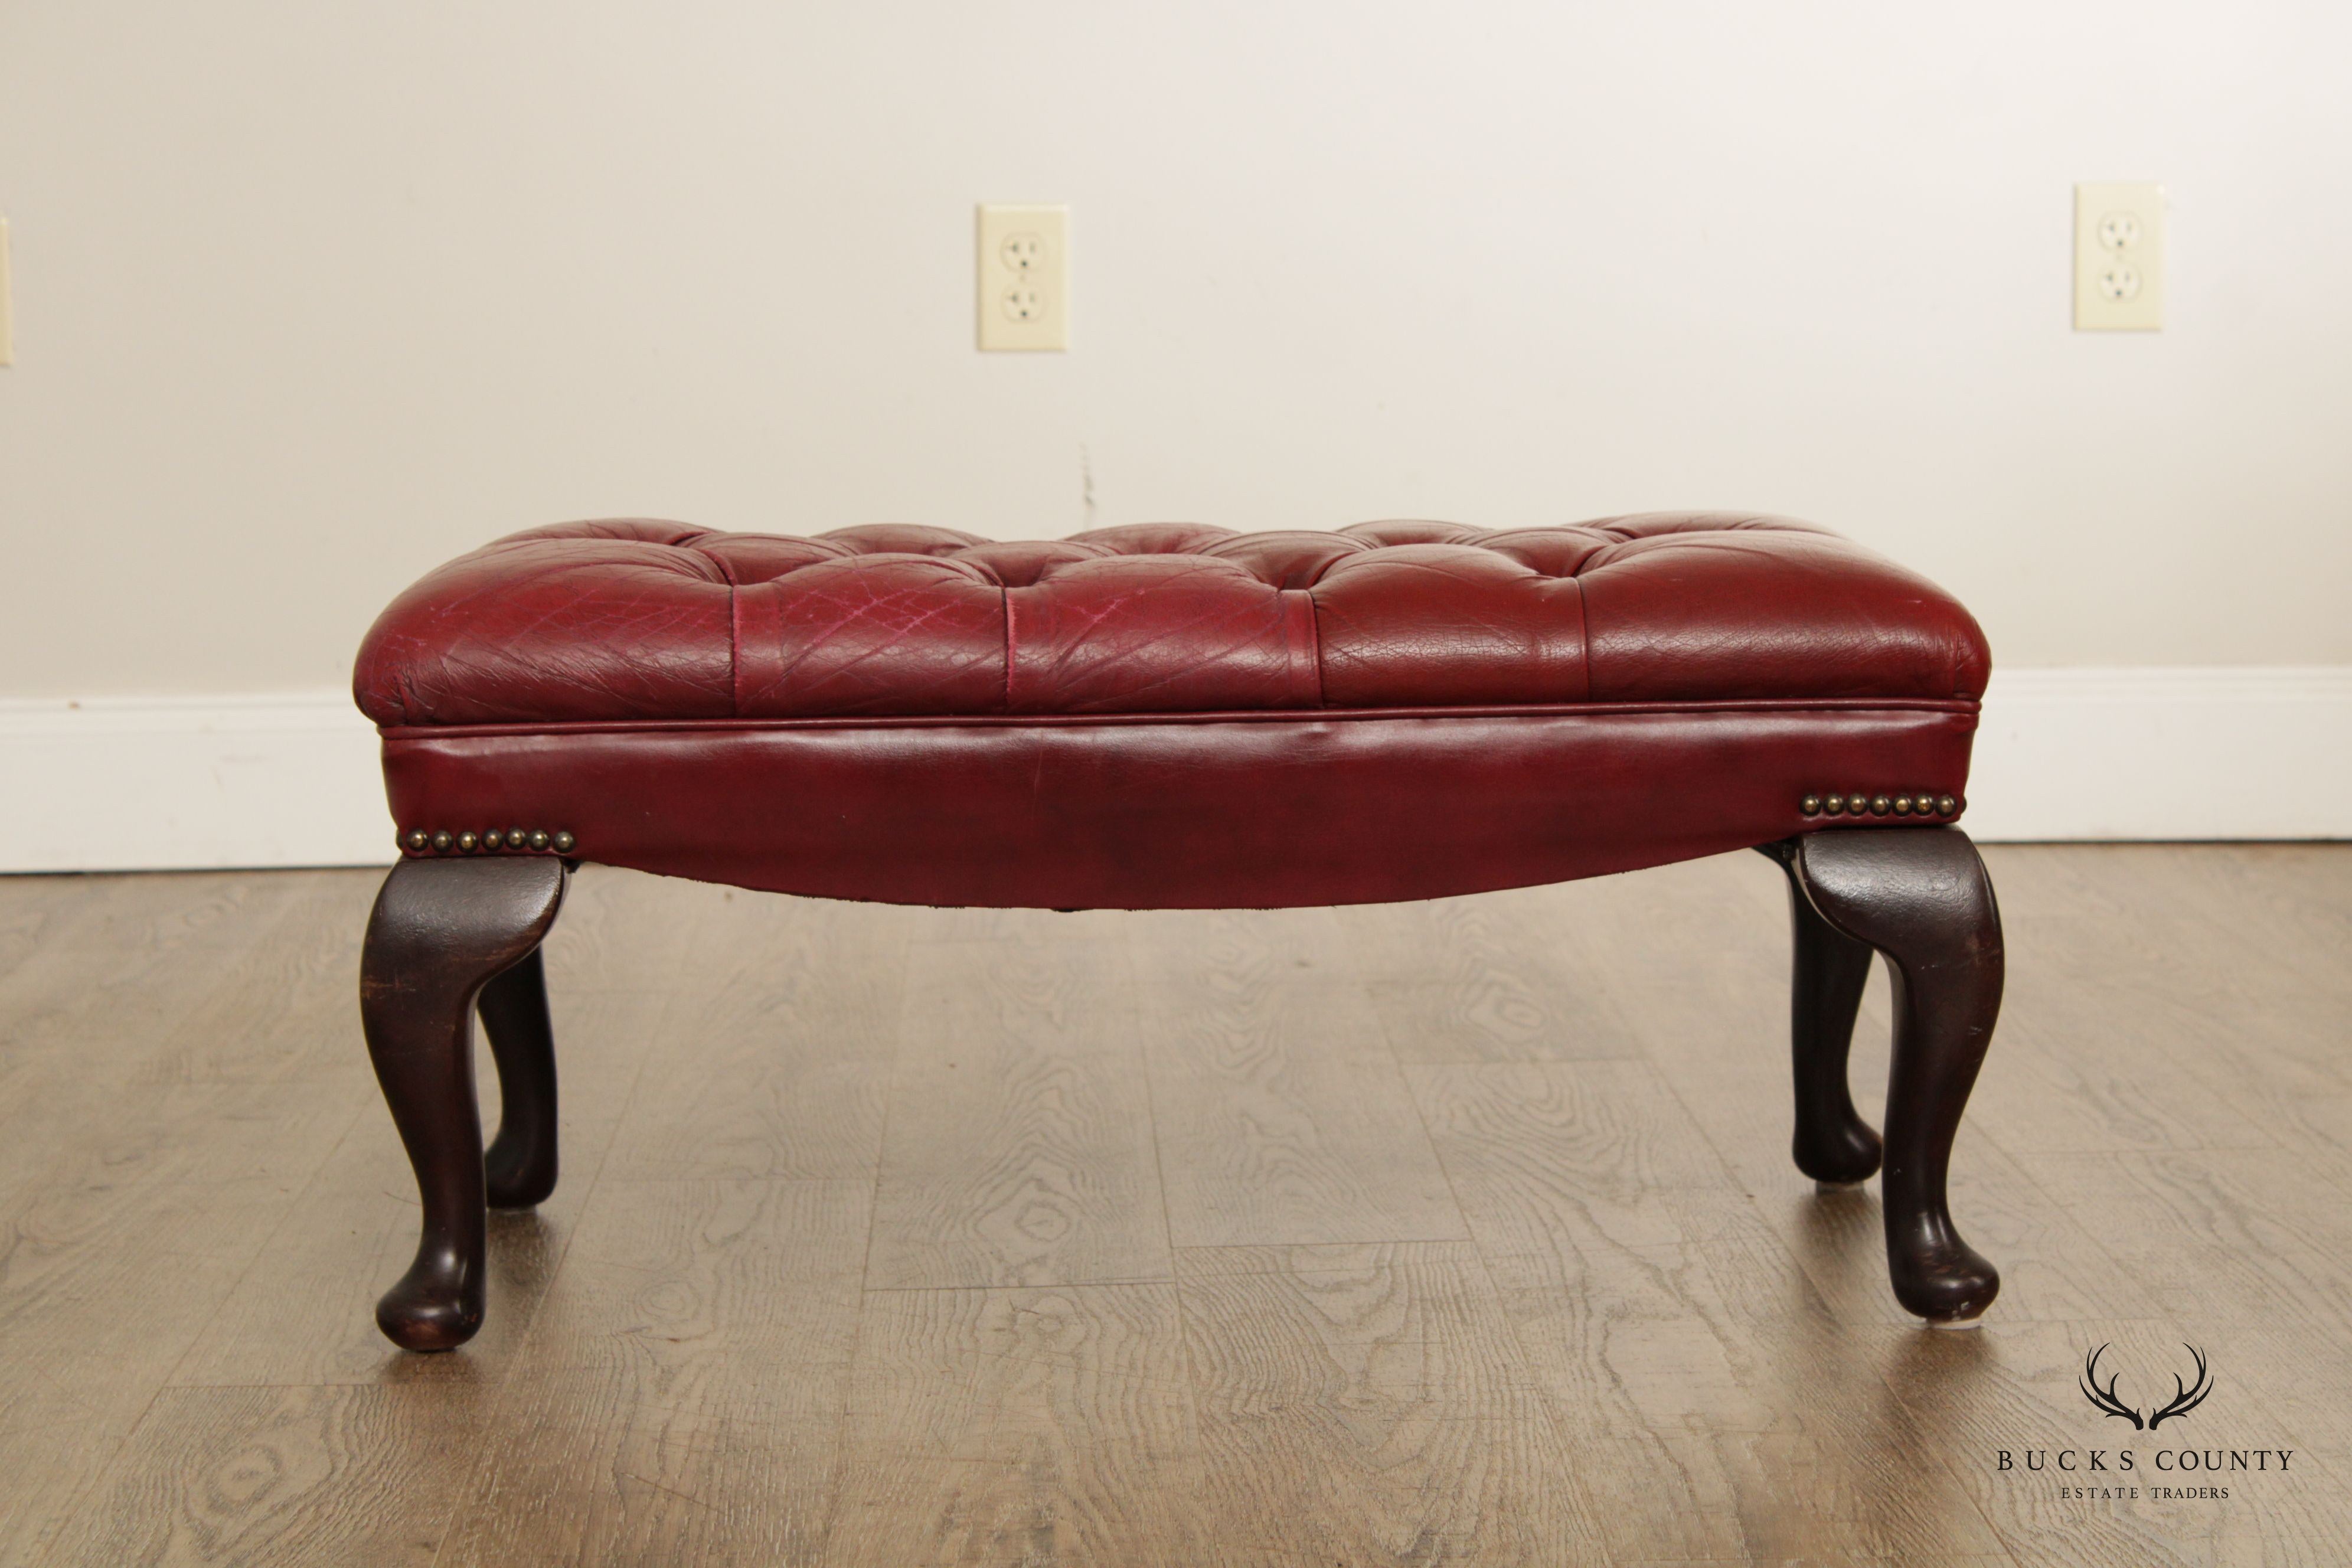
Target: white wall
{"type": "Point", "coordinates": [309, 297]}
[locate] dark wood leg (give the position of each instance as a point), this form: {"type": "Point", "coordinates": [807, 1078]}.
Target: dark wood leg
{"type": "Point", "coordinates": [520, 1165]}
{"type": "Point", "coordinates": [1920, 896]}
{"type": "Point", "coordinates": [1833, 1145]}
{"type": "Point", "coordinates": [441, 931]}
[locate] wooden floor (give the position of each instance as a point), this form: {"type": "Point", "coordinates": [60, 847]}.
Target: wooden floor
{"type": "Point", "coordinates": [1460, 1232]}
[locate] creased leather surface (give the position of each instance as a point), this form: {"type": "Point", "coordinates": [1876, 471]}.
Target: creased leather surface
{"type": "Point", "coordinates": [1175, 812]}
{"type": "Point", "coordinates": [634, 619]}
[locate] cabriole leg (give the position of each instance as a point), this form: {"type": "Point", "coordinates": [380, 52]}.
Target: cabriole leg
{"type": "Point", "coordinates": [1920, 896]}
{"type": "Point", "coordinates": [519, 1167]}
{"type": "Point", "coordinates": [1833, 1145]}
{"type": "Point", "coordinates": [441, 931]}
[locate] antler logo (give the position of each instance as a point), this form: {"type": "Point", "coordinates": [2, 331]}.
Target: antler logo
{"type": "Point", "coordinates": [2184, 1399]}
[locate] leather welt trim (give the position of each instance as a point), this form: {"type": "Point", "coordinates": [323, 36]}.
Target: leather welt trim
{"type": "Point", "coordinates": [1962, 706]}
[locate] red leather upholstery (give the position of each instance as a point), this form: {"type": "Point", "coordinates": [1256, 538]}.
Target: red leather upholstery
{"type": "Point", "coordinates": [655, 620]}
{"type": "Point", "coordinates": [1166, 714]}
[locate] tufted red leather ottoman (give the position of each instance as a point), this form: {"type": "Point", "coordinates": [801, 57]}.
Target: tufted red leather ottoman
{"type": "Point", "coordinates": [1172, 716]}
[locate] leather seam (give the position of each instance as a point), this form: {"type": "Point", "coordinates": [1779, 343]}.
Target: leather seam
{"type": "Point", "coordinates": [1583, 639]}
{"type": "Point", "coordinates": [734, 620]}
{"type": "Point", "coordinates": [735, 647]}
{"type": "Point", "coordinates": [1732, 707]}
{"type": "Point", "coordinates": [1004, 594]}
{"type": "Point", "coordinates": [1301, 611]}
{"type": "Point", "coordinates": [1314, 635]}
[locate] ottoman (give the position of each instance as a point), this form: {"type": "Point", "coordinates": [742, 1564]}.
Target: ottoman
{"type": "Point", "coordinates": [1170, 716]}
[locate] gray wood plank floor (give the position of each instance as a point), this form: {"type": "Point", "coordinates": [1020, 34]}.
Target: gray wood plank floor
{"type": "Point", "coordinates": [1451, 1233]}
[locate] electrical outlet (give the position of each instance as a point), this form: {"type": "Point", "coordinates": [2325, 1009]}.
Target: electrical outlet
{"type": "Point", "coordinates": [1024, 278]}
{"type": "Point", "coordinates": [2119, 257]}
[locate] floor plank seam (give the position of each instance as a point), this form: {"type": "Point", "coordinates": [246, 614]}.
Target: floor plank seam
{"type": "Point", "coordinates": [503, 1394]}
{"type": "Point", "coordinates": [1544, 1403]}
{"type": "Point", "coordinates": [1152, 1120]}
{"type": "Point", "coordinates": [293, 1206]}
{"type": "Point", "coordinates": [836, 1478]}
{"type": "Point", "coordinates": [1113, 1284]}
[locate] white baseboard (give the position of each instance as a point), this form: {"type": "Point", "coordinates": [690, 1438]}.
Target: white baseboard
{"type": "Point", "coordinates": [116, 784]}
{"type": "Point", "coordinates": [124, 784]}
{"type": "Point", "coordinates": [2221, 751]}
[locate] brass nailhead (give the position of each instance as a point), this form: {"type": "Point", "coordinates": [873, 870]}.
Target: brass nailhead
{"type": "Point", "coordinates": [1878, 805]}
{"type": "Point", "coordinates": [467, 841]}
{"type": "Point", "coordinates": [492, 839]}
{"type": "Point", "coordinates": [516, 838]}
{"type": "Point", "coordinates": [563, 842]}
{"type": "Point", "coordinates": [441, 840]}
{"type": "Point", "coordinates": [417, 840]}
{"type": "Point", "coordinates": [539, 839]}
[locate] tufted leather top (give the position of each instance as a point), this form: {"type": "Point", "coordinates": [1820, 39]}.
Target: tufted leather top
{"type": "Point", "coordinates": [634, 619]}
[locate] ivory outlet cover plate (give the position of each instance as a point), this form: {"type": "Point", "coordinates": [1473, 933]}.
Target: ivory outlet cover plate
{"type": "Point", "coordinates": [2119, 257]}
{"type": "Point", "coordinates": [1024, 278]}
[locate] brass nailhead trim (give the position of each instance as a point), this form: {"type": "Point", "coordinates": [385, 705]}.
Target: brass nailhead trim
{"type": "Point", "coordinates": [440, 840]}
{"type": "Point", "coordinates": [1920, 805]}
